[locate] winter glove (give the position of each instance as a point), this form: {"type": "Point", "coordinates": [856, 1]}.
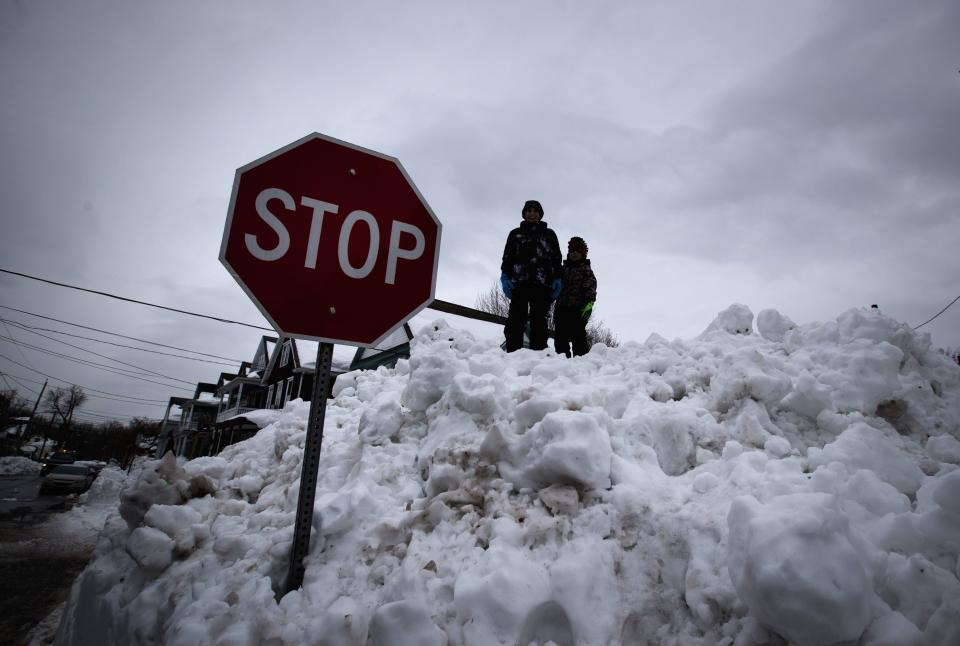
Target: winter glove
{"type": "Point", "coordinates": [507, 285]}
{"type": "Point", "coordinates": [555, 294]}
{"type": "Point", "coordinates": [586, 311]}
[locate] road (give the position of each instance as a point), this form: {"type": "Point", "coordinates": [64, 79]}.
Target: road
{"type": "Point", "coordinates": [20, 499]}
{"type": "Point", "coordinates": [38, 563]}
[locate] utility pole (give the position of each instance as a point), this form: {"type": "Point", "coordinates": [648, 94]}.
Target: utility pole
{"type": "Point", "coordinates": [68, 431]}
{"type": "Point", "coordinates": [26, 433]}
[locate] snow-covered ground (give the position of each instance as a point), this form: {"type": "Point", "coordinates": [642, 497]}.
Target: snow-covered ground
{"type": "Point", "coordinates": [15, 465]}
{"type": "Point", "coordinates": [790, 484]}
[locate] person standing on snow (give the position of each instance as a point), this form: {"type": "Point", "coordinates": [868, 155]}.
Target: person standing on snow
{"type": "Point", "coordinates": [530, 277]}
{"type": "Point", "coordinates": [575, 303]}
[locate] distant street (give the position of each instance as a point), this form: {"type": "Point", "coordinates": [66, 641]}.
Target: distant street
{"type": "Point", "coordinates": [20, 499]}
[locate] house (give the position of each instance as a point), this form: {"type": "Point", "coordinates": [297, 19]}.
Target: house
{"type": "Point", "coordinates": [386, 353]}
{"type": "Point", "coordinates": [241, 394]}
{"type": "Point", "coordinates": [290, 371]}
{"type": "Point", "coordinates": [192, 434]}
{"type": "Point", "coordinates": [282, 370]}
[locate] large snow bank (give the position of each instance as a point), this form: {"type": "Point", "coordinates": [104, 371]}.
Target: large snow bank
{"type": "Point", "coordinates": [800, 482]}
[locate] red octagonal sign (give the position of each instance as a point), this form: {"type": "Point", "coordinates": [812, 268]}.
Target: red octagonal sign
{"type": "Point", "coordinates": [331, 241]}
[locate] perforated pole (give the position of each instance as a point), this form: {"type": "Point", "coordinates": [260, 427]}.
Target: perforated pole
{"type": "Point", "coordinates": [311, 464]}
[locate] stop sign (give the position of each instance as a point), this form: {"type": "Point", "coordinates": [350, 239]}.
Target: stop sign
{"type": "Point", "coordinates": [331, 241]}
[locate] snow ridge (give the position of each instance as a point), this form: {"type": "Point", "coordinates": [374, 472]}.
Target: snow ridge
{"type": "Point", "coordinates": [798, 485]}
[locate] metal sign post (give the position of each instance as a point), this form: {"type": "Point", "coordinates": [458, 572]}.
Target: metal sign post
{"type": "Point", "coordinates": [311, 465]}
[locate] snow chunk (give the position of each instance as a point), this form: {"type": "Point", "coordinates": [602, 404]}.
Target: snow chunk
{"type": "Point", "coordinates": [704, 482]}
{"type": "Point", "coordinates": [944, 625]}
{"type": "Point", "coordinates": [773, 326]}
{"type": "Point", "coordinates": [211, 466]}
{"type": "Point", "coordinates": [808, 397]}
{"type": "Point", "coordinates": [494, 598]}
{"type": "Point", "coordinates": [565, 447]}
{"type": "Point", "coordinates": [560, 499]}
{"type": "Point", "coordinates": [150, 548]}
{"type": "Point", "coordinates": [746, 373]}
{"type": "Point", "coordinates": [736, 319]}
{"type": "Point", "coordinates": [793, 563]}
{"type": "Point", "coordinates": [916, 587]}
{"type": "Point", "coordinates": [430, 375]}
{"type": "Point", "coordinates": [864, 447]}
{"type": "Point", "coordinates": [585, 587]}
{"type": "Point", "coordinates": [892, 629]}
{"type": "Point", "coordinates": [404, 623]}
{"type": "Point", "coordinates": [162, 482]}
{"type": "Point", "coordinates": [944, 448]}
{"type": "Point", "coordinates": [673, 431]}
{"type": "Point", "coordinates": [344, 381]}
{"type": "Point", "coordinates": [777, 447]}
{"type": "Point", "coordinates": [869, 324]}
{"type": "Point", "coordinates": [947, 493]}
{"type": "Point", "coordinates": [176, 521]}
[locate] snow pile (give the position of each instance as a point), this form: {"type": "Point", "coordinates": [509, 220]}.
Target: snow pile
{"type": "Point", "coordinates": [87, 517]}
{"type": "Point", "coordinates": [17, 466]}
{"type": "Point", "coordinates": [799, 484]}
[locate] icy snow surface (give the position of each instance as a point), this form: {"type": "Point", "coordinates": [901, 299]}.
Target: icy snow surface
{"type": "Point", "coordinates": [17, 465]}
{"type": "Point", "coordinates": [797, 485]}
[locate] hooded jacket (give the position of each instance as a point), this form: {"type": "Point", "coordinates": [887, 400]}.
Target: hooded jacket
{"type": "Point", "coordinates": [579, 284]}
{"type": "Point", "coordinates": [532, 255]}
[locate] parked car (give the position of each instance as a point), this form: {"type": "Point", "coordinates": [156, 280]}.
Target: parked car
{"type": "Point", "coordinates": [95, 466]}
{"type": "Point", "coordinates": [57, 459]}
{"type": "Point", "coordinates": [67, 478]}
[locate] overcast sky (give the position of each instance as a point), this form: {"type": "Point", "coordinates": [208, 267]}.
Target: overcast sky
{"type": "Point", "coordinates": [802, 156]}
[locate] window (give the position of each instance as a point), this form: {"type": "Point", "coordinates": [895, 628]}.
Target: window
{"type": "Point", "coordinates": [289, 389]}
{"type": "Point", "coordinates": [285, 354]}
{"type": "Point", "coordinates": [270, 396]}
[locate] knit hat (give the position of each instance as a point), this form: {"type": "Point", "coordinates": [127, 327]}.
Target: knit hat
{"type": "Point", "coordinates": [578, 244]}
{"type": "Point", "coordinates": [534, 204]}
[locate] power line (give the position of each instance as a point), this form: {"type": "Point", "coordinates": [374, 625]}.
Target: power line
{"type": "Point", "coordinates": [156, 402]}
{"type": "Point", "coordinates": [122, 336]}
{"type": "Point", "coordinates": [22, 385]}
{"type": "Point", "coordinates": [33, 381]}
{"type": "Point", "coordinates": [938, 313]}
{"type": "Point", "coordinates": [101, 414]}
{"type": "Point", "coordinates": [133, 300]}
{"type": "Point", "coordinates": [103, 356]}
{"type": "Point", "coordinates": [127, 399]}
{"type": "Point", "coordinates": [111, 369]}
{"type": "Point", "coordinates": [31, 328]}
{"type": "Point", "coordinates": [18, 348]}
{"type": "Point", "coordinates": [69, 383]}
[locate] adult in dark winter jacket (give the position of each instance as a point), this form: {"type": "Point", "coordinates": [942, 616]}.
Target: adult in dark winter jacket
{"type": "Point", "coordinates": [575, 303]}
{"type": "Point", "coordinates": [530, 277]}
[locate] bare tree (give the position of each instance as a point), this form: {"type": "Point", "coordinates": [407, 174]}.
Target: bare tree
{"type": "Point", "coordinates": [12, 405]}
{"type": "Point", "coordinates": [494, 301]}
{"type": "Point", "coordinates": [63, 401]}
{"type": "Point", "coordinates": [597, 332]}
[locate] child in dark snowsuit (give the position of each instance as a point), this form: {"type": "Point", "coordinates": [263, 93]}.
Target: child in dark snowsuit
{"type": "Point", "coordinates": [575, 304]}
{"type": "Point", "coordinates": [530, 277]}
